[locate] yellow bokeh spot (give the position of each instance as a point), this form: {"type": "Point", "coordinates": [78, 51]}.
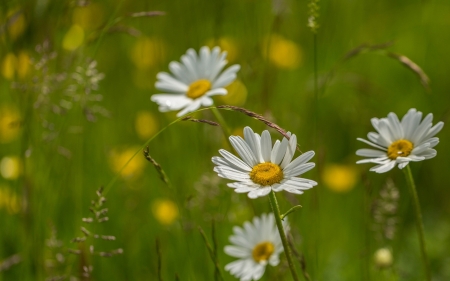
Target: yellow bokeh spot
{"type": "Point", "coordinates": [119, 157]}
{"type": "Point", "coordinates": [148, 52]}
{"type": "Point", "coordinates": [339, 178]}
{"type": "Point", "coordinates": [281, 52]}
{"type": "Point", "coordinates": [238, 132]}
{"type": "Point", "coordinates": [88, 17]}
{"type": "Point", "coordinates": [73, 38]}
{"type": "Point", "coordinates": [9, 200]}
{"type": "Point", "coordinates": [9, 64]}
{"type": "Point", "coordinates": [9, 123]}
{"type": "Point", "coordinates": [12, 65]}
{"type": "Point", "coordinates": [165, 211]}
{"type": "Point", "coordinates": [237, 94]}
{"type": "Point", "coordinates": [10, 167]}
{"type": "Point", "coordinates": [146, 124]}
{"type": "Point", "coordinates": [227, 44]}
{"type": "Point", "coordinates": [23, 64]}
{"type": "Point", "coordinates": [16, 23]}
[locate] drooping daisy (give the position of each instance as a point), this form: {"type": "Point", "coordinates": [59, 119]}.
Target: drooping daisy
{"type": "Point", "coordinates": [264, 168]}
{"type": "Point", "coordinates": [399, 142]}
{"type": "Point", "coordinates": [194, 81]}
{"type": "Point", "coordinates": [256, 245]}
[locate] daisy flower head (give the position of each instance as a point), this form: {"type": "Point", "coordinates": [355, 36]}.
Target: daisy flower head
{"type": "Point", "coordinates": [264, 168]}
{"type": "Point", "coordinates": [255, 245]}
{"type": "Point", "coordinates": [399, 142]}
{"type": "Point", "coordinates": [194, 81]}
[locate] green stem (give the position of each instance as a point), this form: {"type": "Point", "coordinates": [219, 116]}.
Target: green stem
{"type": "Point", "coordinates": [223, 123]}
{"type": "Point", "coordinates": [287, 250]}
{"type": "Point", "coordinates": [419, 224]}
{"type": "Point", "coordinates": [116, 177]}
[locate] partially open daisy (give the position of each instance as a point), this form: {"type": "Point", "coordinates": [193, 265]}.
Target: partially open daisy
{"type": "Point", "coordinates": [256, 245]}
{"type": "Point", "coordinates": [194, 81]}
{"type": "Point", "coordinates": [264, 168]}
{"type": "Point", "coordinates": [399, 142]}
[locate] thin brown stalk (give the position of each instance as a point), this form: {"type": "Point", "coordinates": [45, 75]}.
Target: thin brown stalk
{"type": "Point", "coordinates": [258, 117]}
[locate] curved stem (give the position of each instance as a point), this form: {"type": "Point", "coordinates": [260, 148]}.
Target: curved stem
{"type": "Point", "coordinates": [222, 122]}
{"type": "Point", "coordinates": [419, 223]}
{"type": "Point", "coordinates": [116, 177]}
{"type": "Point", "coordinates": [287, 250]}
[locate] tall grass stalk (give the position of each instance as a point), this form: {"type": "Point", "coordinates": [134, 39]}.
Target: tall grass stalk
{"type": "Point", "coordinates": [287, 249]}
{"type": "Point", "coordinates": [419, 223]}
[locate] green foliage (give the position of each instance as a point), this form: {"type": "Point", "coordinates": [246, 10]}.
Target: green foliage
{"type": "Point", "coordinates": [76, 80]}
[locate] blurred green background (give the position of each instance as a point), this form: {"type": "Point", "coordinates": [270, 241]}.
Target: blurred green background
{"type": "Point", "coordinates": [76, 80]}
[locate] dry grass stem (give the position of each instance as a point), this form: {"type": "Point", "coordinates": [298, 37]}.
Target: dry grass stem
{"type": "Point", "coordinates": [258, 117]}
{"type": "Point", "coordinates": [162, 174]}
{"type": "Point", "coordinates": [209, 122]}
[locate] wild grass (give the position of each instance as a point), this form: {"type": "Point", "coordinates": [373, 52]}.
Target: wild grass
{"type": "Point", "coordinates": [75, 115]}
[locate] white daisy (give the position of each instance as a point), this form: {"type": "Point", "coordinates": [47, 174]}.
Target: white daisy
{"type": "Point", "coordinates": [264, 168]}
{"type": "Point", "coordinates": [399, 142]}
{"type": "Point", "coordinates": [194, 81]}
{"type": "Point", "coordinates": [256, 245]}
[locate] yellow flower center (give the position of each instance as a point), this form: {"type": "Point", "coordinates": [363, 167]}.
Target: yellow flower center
{"type": "Point", "coordinates": [262, 251]}
{"type": "Point", "coordinates": [400, 148]}
{"type": "Point", "coordinates": [198, 88]}
{"type": "Point", "coordinates": [266, 174]}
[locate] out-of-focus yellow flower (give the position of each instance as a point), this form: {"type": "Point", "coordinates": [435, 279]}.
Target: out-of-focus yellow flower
{"type": "Point", "coordinates": [16, 23]}
{"type": "Point", "coordinates": [9, 66]}
{"type": "Point", "coordinates": [165, 211]}
{"type": "Point", "coordinates": [146, 124]}
{"type": "Point", "coordinates": [9, 123]}
{"type": "Point", "coordinates": [9, 200]}
{"type": "Point", "coordinates": [10, 167]}
{"type": "Point", "coordinates": [23, 64]}
{"type": "Point", "coordinates": [148, 52]}
{"type": "Point", "coordinates": [238, 132]}
{"type": "Point", "coordinates": [383, 258]}
{"type": "Point", "coordinates": [88, 17]}
{"type": "Point", "coordinates": [237, 94]}
{"type": "Point", "coordinates": [73, 38]}
{"type": "Point", "coordinates": [12, 64]}
{"type": "Point", "coordinates": [227, 44]}
{"type": "Point", "coordinates": [119, 157]}
{"type": "Point", "coordinates": [283, 53]}
{"type": "Point", "coordinates": [339, 178]}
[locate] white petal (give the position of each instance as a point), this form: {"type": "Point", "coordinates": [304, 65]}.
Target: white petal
{"type": "Point", "coordinates": [280, 153]}
{"type": "Point", "coordinates": [243, 150]}
{"type": "Point", "coordinates": [266, 145]}
{"type": "Point", "coordinates": [385, 130]}
{"type": "Point", "coordinates": [298, 170]}
{"type": "Point", "coordinates": [264, 191]}
{"type": "Point", "coordinates": [434, 130]}
{"type": "Point", "coordinates": [397, 129]}
{"type": "Point", "coordinates": [253, 142]}
{"type": "Point", "coordinates": [237, 252]}
{"type": "Point", "coordinates": [168, 83]}
{"type": "Point", "coordinates": [372, 144]}
{"type": "Point", "coordinates": [305, 157]}
{"type": "Point", "coordinates": [169, 102]}
{"type": "Point", "coordinates": [194, 105]}
{"type": "Point", "coordinates": [216, 92]}
{"type": "Point", "coordinates": [383, 167]}
{"type": "Point", "coordinates": [370, 153]}
{"type": "Point", "coordinates": [290, 151]}
{"type": "Point", "coordinates": [422, 129]}
{"type": "Point", "coordinates": [227, 76]}
{"type": "Point", "coordinates": [180, 72]}
{"type": "Point", "coordinates": [234, 160]}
